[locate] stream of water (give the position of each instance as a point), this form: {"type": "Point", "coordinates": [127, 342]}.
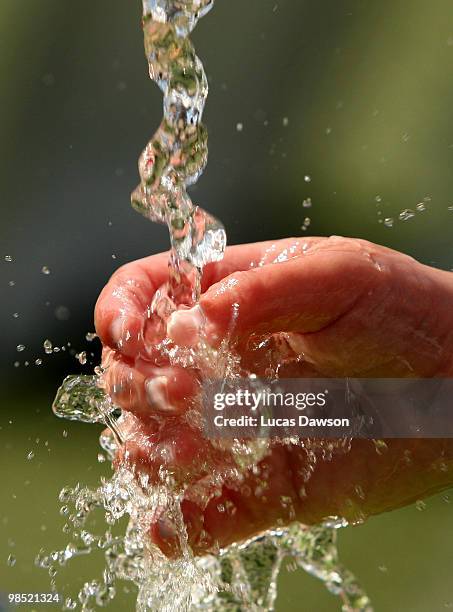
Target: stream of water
{"type": "Point", "coordinates": [243, 576]}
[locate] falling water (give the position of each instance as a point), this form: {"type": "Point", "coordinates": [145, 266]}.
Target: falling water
{"type": "Point", "coordinates": [243, 576]}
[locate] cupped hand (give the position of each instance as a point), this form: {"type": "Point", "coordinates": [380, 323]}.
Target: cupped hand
{"type": "Point", "coordinates": [329, 307]}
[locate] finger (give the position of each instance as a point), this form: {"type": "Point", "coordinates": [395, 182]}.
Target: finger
{"type": "Point", "coordinates": [304, 294]}
{"type": "Point", "coordinates": [263, 499]}
{"type": "Point", "coordinates": [145, 389]}
{"type": "Point", "coordinates": [122, 308]}
{"type": "Point", "coordinates": [171, 446]}
{"type": "Point", "coordinates": [242, 257]}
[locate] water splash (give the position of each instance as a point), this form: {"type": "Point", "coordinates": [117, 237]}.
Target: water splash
{"type": "Point", "coordinates": [177, 154]}
{"type": "Point", "coordinates": [243, 576]}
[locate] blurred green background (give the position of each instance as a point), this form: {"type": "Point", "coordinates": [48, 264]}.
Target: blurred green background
{"type": "Point", "coordinates": [346, 102]}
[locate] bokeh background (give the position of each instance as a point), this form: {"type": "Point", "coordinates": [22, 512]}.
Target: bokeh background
{"type": "Point", "coordinates": [345, 102]}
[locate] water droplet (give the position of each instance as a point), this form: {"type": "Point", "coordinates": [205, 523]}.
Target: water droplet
{"type": "Point", "coordinates": [16, 364]}
{"type": "Point", "coordinates": [420, 505]}
{"type": "Point", "coordinates": [421, 207]}
{"type": "Point", "coordinates": [82, 357]}
{"type": "Point", "coordinates": [31, 455]}
{"type": "Point", "coordinates": [20, 348]}
{"type": "Point", "coordinates": [11, 561]}
{"type": "Point", "coordinates": [101, 458]}
{"type": "Point", "coordinates": [16, 315]}
{"type": "Point", "coordinates": [306, 224]}
{"type": "Point", "coordinates": [90, 336]}
{"type": "Point", "coordinates": [307, 203]}
{"type": "Point", "coordinates": [38, 362]}
{"type": "Point", "coordinates": [11, 283]}
{"type": "Point", "coordinates": [307, 178]}
{"type": "Point", "coordinates": [406, 214]}
{"type": "Point", "coordinates": [285, 122]}
{"type": "Point", "coordinates": [388, 222]}
{"type": "Point", "coordinates": [8, 258]}
{"type": "Point", "coordinates": [65, 433]}
{"type": "Point", "coordinates": [48, 347]}
{"type": "Point", "coordinates": [380, 446]}
{"type": "Point", "coordinates": [239, 127]}
{"type": "Point", "coordinates": [45, 270]}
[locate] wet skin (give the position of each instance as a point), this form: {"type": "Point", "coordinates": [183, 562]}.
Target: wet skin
{"type": "Point", "coordinates": [329, 307]}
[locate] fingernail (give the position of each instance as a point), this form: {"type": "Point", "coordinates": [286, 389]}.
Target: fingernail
{"type": "Point", "coordinates": [184, 326]}
{"type": "Point", "coordinates": [117, 331]}
{"type": "Point", "coordinates": [157, 394]}
{"type": "Point", "coordinates": [124, 329]}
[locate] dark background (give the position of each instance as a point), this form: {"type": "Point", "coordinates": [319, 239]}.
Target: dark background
{"type": "Point", "coordinates": [366, 91]}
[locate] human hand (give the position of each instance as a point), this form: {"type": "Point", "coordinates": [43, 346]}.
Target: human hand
{"type": "Point", "coordinates": [310, 307]}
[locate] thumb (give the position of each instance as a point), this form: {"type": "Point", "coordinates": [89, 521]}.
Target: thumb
{"type": "Point", "coordinates": [304, 294]}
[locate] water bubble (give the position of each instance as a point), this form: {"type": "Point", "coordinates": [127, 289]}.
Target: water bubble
{"type": "Point", "coordinates": [90, 336]}
{"type": "Point", "coordinates": [307, 203]}
{"type": "Point", "coordinates": [20, 348]}
{"type": "Point", "coordinates": [285, 121]}
{"type": "Point", "coordinates": [48, 347]}
{"type": "Point", "coordinates": [239, 127]}
{"type": "Point", "coordinates": [45, 270]}
{"type": "Point", "coordinates": [64, 433]}
{"type": "Point", "coordinates": [101, 458]}
{"type": "Point", "coordinates": [8, 258]}
{"type": "Point", "coordinates": [16, 315]}
{"type": "Point", "coordinates": [16, 364]}
{"type": "Point", "coordinates": [420, 505]}
{"type": "Point", "coordinates": [389, 221]}
{"type": "Point", "coordinates": [11, 561]}
{"type": "Point", "coordinates": [307, 178]}
{"type": "Point", "coordinates": [11, 283]}
{"type": "Point", "coordinates": [30, 455]}
{"type": "Point", "coordinates": [421, 207]}
{"type": "Point", "coordinates": [378, 199]}
{"type": "Point", "coordinates": [38, 362]}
